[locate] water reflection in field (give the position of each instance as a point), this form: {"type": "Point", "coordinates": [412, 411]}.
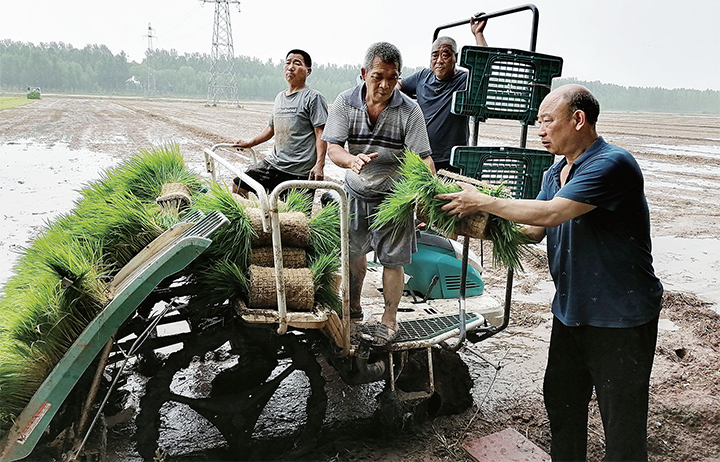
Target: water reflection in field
{"type": "Point", "coordinates": [37, 184]}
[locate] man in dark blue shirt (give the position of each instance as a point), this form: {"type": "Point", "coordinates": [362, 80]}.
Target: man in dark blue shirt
{"type": "Point", "coordinates": [434, 88]}
{"type": "Point", "coordinates": [593, 210]}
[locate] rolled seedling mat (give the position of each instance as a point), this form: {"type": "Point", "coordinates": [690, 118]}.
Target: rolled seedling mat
{"type": "Point", "coordinates": [293, 257]}
{"type": "Point", "coordinates": [299, 288]}
{"type": "Point", "coordinates": [473, 226]}
{"type": "Point", "coordinates": [243, 201]}
{"type": "Point", "coordinates": [294, 228]}
{"type": "Point", "coordinates": [174, 195]}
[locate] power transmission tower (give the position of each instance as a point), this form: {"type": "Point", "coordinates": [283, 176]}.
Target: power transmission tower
{"type": "Point", "coordinates": [151, 74]}
{"type": "Point", "coordinates": [223, 82]}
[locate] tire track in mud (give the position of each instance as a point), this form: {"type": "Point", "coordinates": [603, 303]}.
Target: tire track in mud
{"type": "Point", "coordinates": [185, 128]}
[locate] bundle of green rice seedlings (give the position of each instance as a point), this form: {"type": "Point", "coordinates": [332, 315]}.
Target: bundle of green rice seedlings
{"type": "Point", "coordinates": [222, 281]}
{"type": "Point", "coordinates": [323, 268]}
{"type": "Point", "coordinates": [417, 187]}
{"type": "Point", "coordinates": [296, 200]}
{"type": "Point", "coordinates": [325, 231]}
{"type": "Point", "coordinates": [132, 225]}
{"type": "Point", "coordinates": [220, 273]}
{"type": "Point", "coordinates": [232, 242]}
{"type": "Point", "coordinates": [57, 290]}
{"type": "Point", "coordinates": [78, 296]}
{"type": "Point", "coordinates": [109, 210]}
{"type": "Point", "coordinates": [17, 383]}
{"type": "Point", "coordinates": [174, 196]}
{"type": "Point", "coordinates": [145, 174]}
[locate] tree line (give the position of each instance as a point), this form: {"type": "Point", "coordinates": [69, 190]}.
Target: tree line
{"type": "Point", "coordinates": [60, 68]}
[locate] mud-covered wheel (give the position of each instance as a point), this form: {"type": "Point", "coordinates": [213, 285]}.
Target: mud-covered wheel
{"type": "Point", "coordinates": [453, 384]}
{"type": "Point", "coordinates": [452, 394]}
{"type": "Point", "coordinates": [239, 395]}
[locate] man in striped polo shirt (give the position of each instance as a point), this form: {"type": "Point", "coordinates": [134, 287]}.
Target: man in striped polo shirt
{"type": "Point", "coordinates": [368, 129]}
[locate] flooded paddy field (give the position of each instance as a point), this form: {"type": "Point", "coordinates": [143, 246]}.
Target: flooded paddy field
{"type": "Point", "coordinates": [53, 147]}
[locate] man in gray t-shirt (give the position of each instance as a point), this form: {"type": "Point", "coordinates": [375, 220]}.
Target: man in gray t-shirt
{"type": "Point", "coordinates": [297, 123]}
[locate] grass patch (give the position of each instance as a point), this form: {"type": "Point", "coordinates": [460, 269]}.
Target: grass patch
{"type": "Point", "coordinates": [7, 102]}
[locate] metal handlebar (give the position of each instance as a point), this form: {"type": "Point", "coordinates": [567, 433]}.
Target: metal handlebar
{"type": "Point", "coordinates": [211, 157]}
{"type": "Point", "coordinates": [344, 252]}
{"type": "Point", "coordinates": [517, 9]}
{"type": "Point", "coordinates": [268, 204]}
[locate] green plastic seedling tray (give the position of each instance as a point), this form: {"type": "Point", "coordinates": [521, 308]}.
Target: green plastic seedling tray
{"type": "Point", "coordinates": [505, 83]}
{"type": "Point", "coordinates": [520, 170]}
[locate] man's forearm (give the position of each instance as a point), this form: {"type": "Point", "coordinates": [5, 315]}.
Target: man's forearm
{"type": "Point", "coordinates": [339, 155]}
{"type": "Point", "coordinates": [544, 214]}
{"type": "Point", "coordinates": [430, 163]}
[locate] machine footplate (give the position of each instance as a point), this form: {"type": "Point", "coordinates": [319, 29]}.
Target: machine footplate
{"type": "Point", "coordinates": [426, 328]}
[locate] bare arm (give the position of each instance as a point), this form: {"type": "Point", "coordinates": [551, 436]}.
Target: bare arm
{"type": "Point", "coordinates": [430, 163]}
{"type": "Point", "coordinates": [477, 28]}
{"type": "Point", "coordinates": [344, 159]}
{"type": "Point", "coordinates": [546, 214]}
{"type": "Point", "coordinates": [535, 233]}
{"type": "Point", "coordinates": [317, 173]}
{"type": "Point", "coordinates": [262, 137]}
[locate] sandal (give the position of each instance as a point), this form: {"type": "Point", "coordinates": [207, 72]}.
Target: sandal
{"type": "Point", "coordinates": [382, 334]}
{"type": "Point", "coordinates": [356, 315]}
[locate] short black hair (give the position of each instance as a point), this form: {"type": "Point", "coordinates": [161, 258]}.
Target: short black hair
{"type": "Point", "coordinates": [304, 54]}
{"type": "Point", "coordinates": [586, 102]}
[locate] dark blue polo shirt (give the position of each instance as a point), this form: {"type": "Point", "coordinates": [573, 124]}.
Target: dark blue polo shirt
{"type": "Point", "coordinates": [434, 96]}
{"type": "Point", "coordinates": [601, 261]}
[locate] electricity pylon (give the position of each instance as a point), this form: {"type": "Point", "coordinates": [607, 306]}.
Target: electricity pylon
{"type": "Point", "coordinates": [148, 54]}
{"type": "Point", "coordinates": [223, 82]}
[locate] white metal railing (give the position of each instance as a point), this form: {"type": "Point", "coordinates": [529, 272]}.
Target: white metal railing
{"type": "Point", "coordinates": [271, 224]}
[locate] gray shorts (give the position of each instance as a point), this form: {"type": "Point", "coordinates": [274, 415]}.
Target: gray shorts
{"type": "Point", "coordinates": [391, 251]}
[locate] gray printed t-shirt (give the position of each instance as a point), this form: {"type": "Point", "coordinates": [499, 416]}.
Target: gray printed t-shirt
{"type": "Point", "coordinates": [400, 126]}
{"type": "Point", "coordinates": [294, 120]}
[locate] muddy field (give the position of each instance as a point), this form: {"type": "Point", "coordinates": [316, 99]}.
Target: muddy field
{"type": "Point", "coordinates": [680, 157]}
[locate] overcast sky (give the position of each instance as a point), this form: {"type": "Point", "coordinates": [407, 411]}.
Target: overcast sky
{"type": "Point", "coordinates": [658, 43]}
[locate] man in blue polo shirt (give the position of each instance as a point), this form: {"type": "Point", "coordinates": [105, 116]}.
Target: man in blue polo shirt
{"type": "Point", "coordinates": [434, 88]}
{"type": "Point", "coordinates": [593, 210]}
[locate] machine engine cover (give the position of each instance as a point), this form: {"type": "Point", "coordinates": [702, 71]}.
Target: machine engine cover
{"type": "Point", "coordinates": [430, 261]}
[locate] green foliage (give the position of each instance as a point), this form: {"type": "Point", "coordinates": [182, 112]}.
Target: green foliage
{"type": "Point", "coordinates": [7, 102]}
{"type": "Point", "coordinates": [217, 282]}
{"type": "Point", "coordinates": [33, 95]}
{"type": "Point", "coordinates": [680, 100]}
{"type": "Point", "coordinates": [296, 201]}
{"type": "Point", "coordinates": [60, 282]}
{"type": "Point", "coordinates": [325, 231]}
{"type": "Point", "coordinates": [230, 242]}
{"type": "Point", "coordinates": [417, 187]}
{"type": "Point", "coordinates": [144, 175]}
{"type": "Point", "coordinates": [61, 68]}
{"type": "Point", "coordinates": [323, 268]}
